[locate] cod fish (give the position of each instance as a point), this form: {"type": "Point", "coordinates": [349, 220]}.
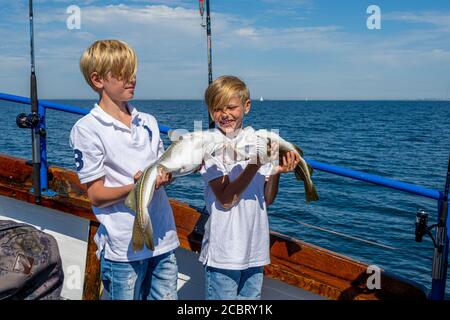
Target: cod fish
{"type": "Point", "coordinates": [303, 170]}
{"type": "Point", "coordinates": [186, 154]}
{"type": "Point", "coordinates": [181, 158]}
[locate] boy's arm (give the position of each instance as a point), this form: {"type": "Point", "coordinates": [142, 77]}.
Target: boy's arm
{"type": "Point", "coordinates": [228, 193]}
{"type": "Point", "coordinates": [102, 196]}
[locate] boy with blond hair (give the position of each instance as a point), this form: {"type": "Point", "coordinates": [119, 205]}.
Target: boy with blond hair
{"type": "Point", "coordinates": [112, 145]}
{"type": "Point", "coordinates": [235, 245]}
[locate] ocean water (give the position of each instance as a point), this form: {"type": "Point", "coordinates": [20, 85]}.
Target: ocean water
{"type": "Point", "coordinates": [404, 140]}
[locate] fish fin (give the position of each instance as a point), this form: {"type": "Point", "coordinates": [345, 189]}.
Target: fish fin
{"type": "Point", "coordinates": [130, 200]}
{"type": "Point", "coordinates": [137, 239]}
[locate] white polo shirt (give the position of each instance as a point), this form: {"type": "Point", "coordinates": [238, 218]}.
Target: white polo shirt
{"type": "Point", "coordinates": [105, 147]}
{"type": "Point", "coordinates": [236, 238]}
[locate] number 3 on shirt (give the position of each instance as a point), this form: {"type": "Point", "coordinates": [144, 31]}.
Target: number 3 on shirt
{"type": "Point", "coordinates": [78, 159]}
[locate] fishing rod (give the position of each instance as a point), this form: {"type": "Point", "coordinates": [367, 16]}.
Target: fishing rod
{"type": "Point", "coordinates": [32, 121]}
{"type": "Point", "coordinates": [440, 240]}
{"type": "Point", "coordinates": [440, 257]}
{"type": "Point", "coordinates": [203, 4]}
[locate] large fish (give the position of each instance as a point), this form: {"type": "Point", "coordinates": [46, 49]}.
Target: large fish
{"type": "Point", "coordinates": [303, 170]}
{"type": "Point", "coordinates": [182, 157]}
{"type": "Point", "coordinates": [186, 154]}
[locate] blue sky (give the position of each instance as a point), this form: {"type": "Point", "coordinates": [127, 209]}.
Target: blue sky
{"type": "Point", "coordinates": [291, 49]}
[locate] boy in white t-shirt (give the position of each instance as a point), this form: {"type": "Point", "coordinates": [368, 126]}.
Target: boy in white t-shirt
{"type": "Point", "coordinates": [112, 145]}
{"type": "Point", "coordinates": [235, 245]}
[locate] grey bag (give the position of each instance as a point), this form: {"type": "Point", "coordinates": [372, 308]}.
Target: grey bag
{"type": "Point", "coordinates": [30, 264]}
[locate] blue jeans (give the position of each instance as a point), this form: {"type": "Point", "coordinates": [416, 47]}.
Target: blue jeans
{"type": "Point", "coordinates": [149, 279]}
{"type": "Point", "coordinates": [221, 284]}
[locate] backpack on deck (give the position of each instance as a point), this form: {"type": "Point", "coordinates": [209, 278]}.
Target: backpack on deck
{"type": "Point", "coordinates": [30, 264]}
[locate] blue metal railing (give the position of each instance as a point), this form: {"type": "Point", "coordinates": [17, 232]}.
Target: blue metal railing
{"type": "Point", "coordinates": [438, 285]}
{"type": "Point", "coordinates": [381, 181]}
{"type": "Point", "coordinates": [58, 106]}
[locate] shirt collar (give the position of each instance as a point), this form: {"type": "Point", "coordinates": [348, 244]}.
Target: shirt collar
{"type": "Point", "coordinates": [104, 117]}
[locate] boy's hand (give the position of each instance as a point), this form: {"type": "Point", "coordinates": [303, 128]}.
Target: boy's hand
{"type": "Point", "coordinates": [163, 179]}
{"type": "Point", "coordinates": [137, 176]}
{"type": "Point", "coordinates": [290, 161]}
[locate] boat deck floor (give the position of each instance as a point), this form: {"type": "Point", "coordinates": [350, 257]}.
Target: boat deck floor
{"type": "Point", "coordinates": [191, 282]}
{"type": "Point", "coordinates": [71, 233]}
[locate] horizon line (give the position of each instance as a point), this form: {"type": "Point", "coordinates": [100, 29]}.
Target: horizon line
{"type": "Point", "coordinates": [267, 100]}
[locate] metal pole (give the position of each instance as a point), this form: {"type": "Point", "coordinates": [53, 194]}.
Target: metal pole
{"type": "Point", "coordinates": [208, 35]}
{"type": "Point", "coordinates": [35, 136]}
{"type": "Point", "coordinates": [44, 163]}
{"type": "Point", "coordinates": [440, 257]}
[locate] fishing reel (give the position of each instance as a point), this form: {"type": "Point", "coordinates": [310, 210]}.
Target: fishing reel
{"type": "Point", "coordinates": [422, 227]}
{"type": "Point", "coordinates": [29, 121]}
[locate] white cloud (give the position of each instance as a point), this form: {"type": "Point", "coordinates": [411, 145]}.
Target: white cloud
{"type": "Point", "coordinates": [246, 32]}
{"type": "Point", "coordinates": [148, 14]}
{"type": "Point", "coordinates": [291, 4]}
{"type": "Point", "coordinates": [439, 19]}
{"type": "Point", "coordinates": [171, 49]}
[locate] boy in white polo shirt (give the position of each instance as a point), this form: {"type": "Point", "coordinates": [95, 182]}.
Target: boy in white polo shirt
{"type": "Point", "coordinates": [235, 245]}
{"type": "Point", "coordinates": [112, 145]}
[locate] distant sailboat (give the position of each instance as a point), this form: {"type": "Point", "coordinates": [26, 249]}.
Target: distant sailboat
{"type": "Point", "coordinates": [261, 99]}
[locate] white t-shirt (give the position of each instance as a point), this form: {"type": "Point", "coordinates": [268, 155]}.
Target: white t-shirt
{"type": "Point", "coordinates": [236, 238]}
{"type": "Point", "coordinates": [105, 147]}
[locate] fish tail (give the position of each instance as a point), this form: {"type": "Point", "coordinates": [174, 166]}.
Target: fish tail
{"type": "Point", "coordinates": [142, 227]}
{"type": "Point", "coordinates": [311, 192]}
{"type": "Point", "coordinates": [310, 169]}
{"type": "Point", "coordinates": [137, 239]}
{"type": "Point", "coordinates": [310, 189]}
{"type": "Point", "coordinates": [300, 173]}
{"type": "Point", "coordinates": [145, 222]}
{"type": "Point", "coordinates": [148, 237]}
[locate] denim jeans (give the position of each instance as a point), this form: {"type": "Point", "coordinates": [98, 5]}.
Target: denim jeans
{"type": "Point", "coordinates": [221, 284]}
{"type": "Point", "coordinates": [149, 279]}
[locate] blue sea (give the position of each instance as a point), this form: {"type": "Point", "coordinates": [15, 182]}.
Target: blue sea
{"type": "Point", "coordinates": [404, 140]}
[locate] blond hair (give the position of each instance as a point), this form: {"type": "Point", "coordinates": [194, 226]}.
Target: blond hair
{"type": "Point", "coordinates": [105, 56]}
{"type": "Point", "coordinates": [224, 88]}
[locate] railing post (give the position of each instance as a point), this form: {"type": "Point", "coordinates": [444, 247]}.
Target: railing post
{"type": "Point", "coordinates": [440, 257]}
{"type": "Point", "coordinates": [440, 260]}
